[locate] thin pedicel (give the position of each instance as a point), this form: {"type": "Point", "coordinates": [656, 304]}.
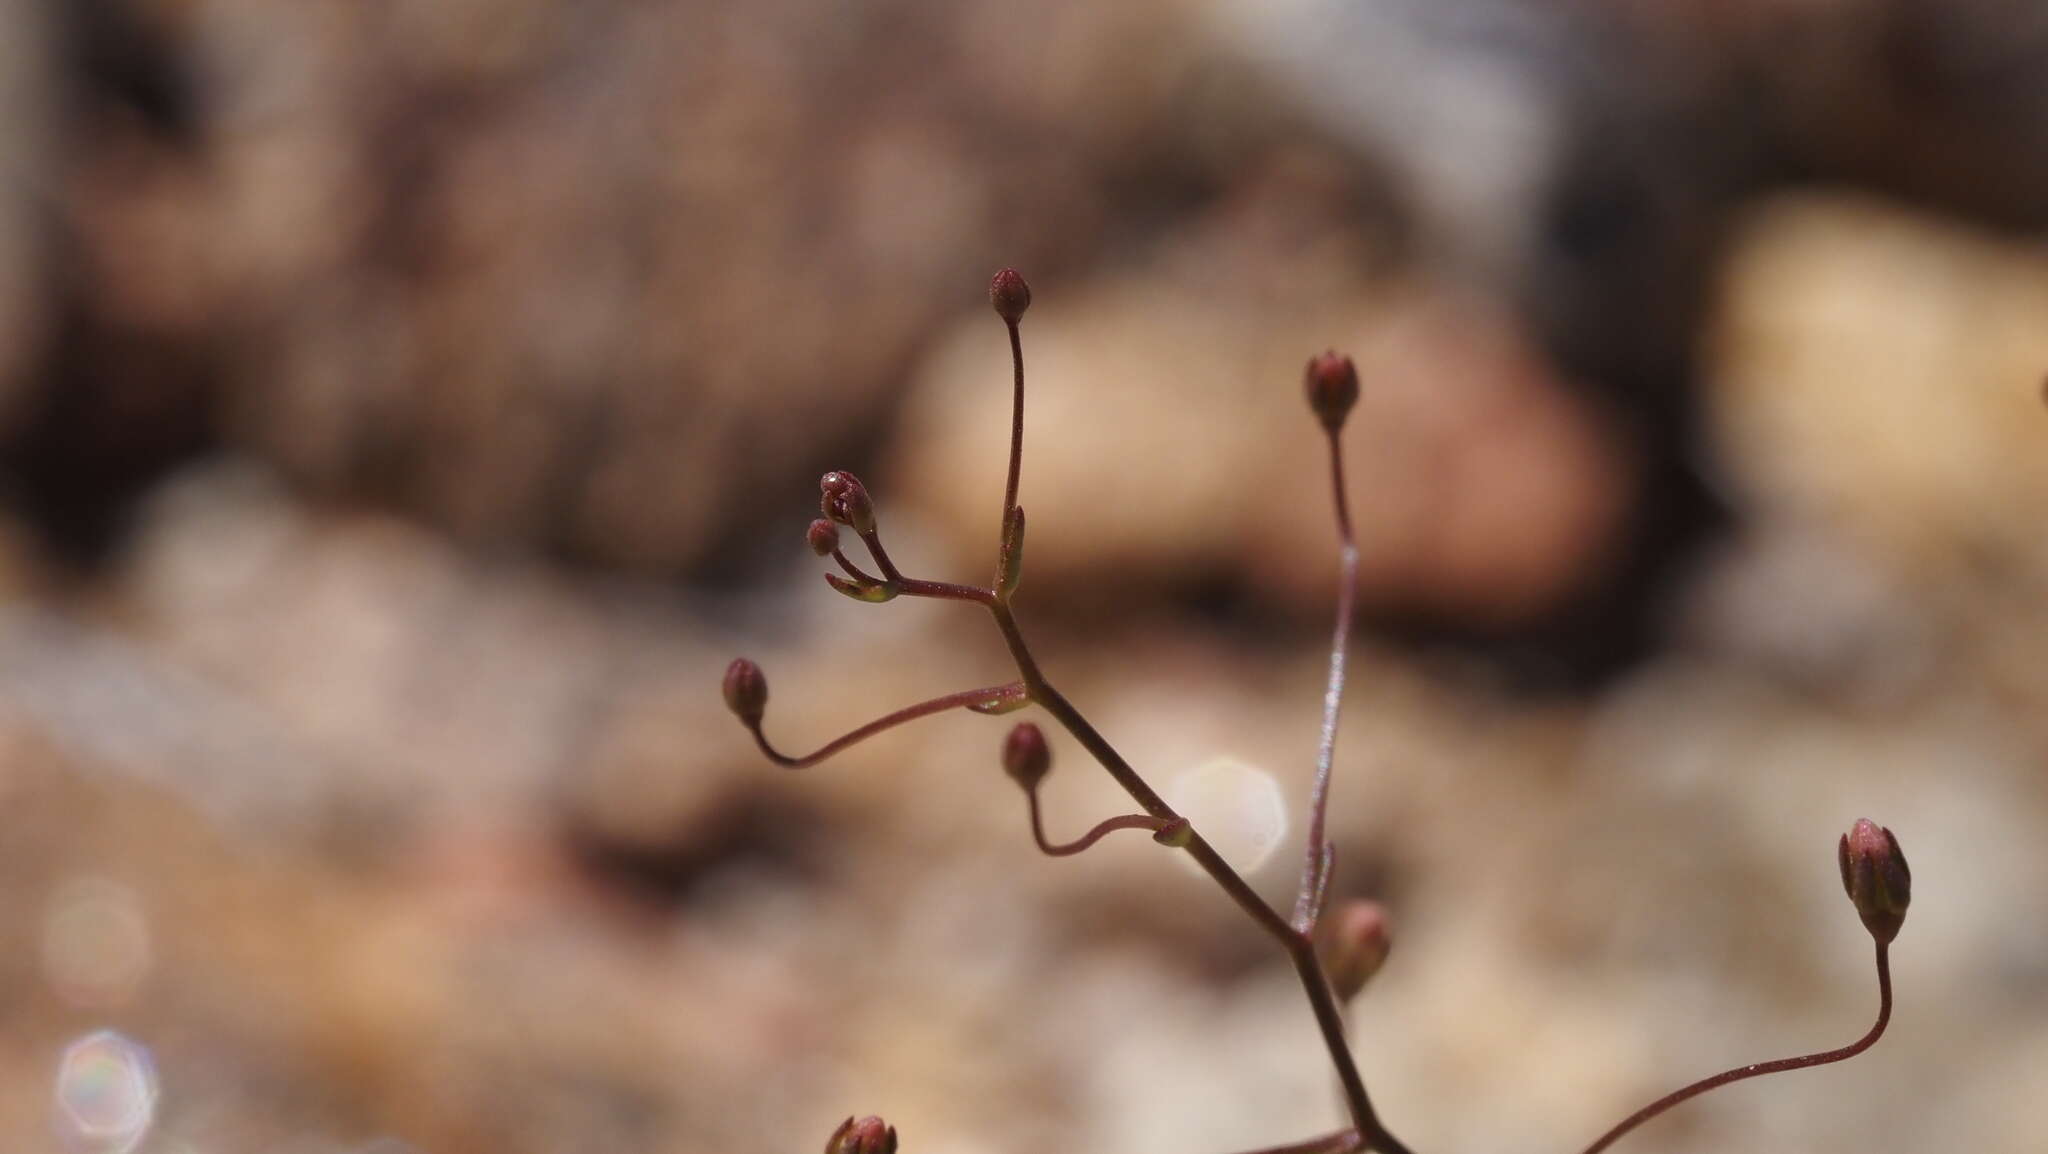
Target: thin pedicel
{"type": "Point", "coordinates": [1356, 939]}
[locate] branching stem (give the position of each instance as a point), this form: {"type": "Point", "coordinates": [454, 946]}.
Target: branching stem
{"type": "Point", "coordinates": [1299, 947]}
{"type": "Point", "coordinates": [1300, 951]}
{"type": "Point", "coordinates": [894, 579]}
{"type": "Point", "coordinates": [854, 571]}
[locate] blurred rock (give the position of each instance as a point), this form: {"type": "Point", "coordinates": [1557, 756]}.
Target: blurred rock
{"type": "Point", "coordinates": [616, 280]}
{"type": "Point", "coordinates": [1881, 371]}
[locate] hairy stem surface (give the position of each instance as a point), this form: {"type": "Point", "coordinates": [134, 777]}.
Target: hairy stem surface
{"type": "Point", "coordinates": [1315, 866]}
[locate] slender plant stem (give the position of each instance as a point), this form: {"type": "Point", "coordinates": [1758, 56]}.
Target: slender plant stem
{"type": "Point", "coordinates": [1299, 947]}
{"type": "Point", "coordinates": [1300, 950]}
{"type": "Point", "coordinates": [854, 571]}
{"type": "Point", "coordinates": [1320, 894]}
{"type": "Point", "coordinates": [1316, 862]}
{"type": "Point", "coordinates": [893, 579]}
{"type": "Point", "coordinates": [1016, 422]}
{"type": "Point", "coordinates": [1884, 1016]}
{"type": "Point", "coordinates": [873, 540]}
{"type": "Point", "coordinates": [942, 590]}
{"type": "Point", "coordinates": [1102, 829]}
{"type": "Point", "coordinates": [966, 697]}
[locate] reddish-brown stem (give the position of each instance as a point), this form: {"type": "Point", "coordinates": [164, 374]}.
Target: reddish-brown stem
{"type": "Point", "coordinates": [854, 571]}
{"type": "Point", "coordinates": [1315, 864]}
{"type": "Point", "coordinates": [1016, 422]}
{"type": "Point", "coordinates": [967, 697]}
{"type": "Point", "coordinates": [1321, 892]}
{"type": "Point", "coordinates": [1368, 1132]}
{"type": "Point", "coordinates": [1102, 829]}
{"type": "Point", "coordinates": [1298, 945]}
{"type": "Point", "coordinates": [914, 587]}
{"type": "Point", "coordinates": [943, 590]}
{"type": "Point", "coordinates": [1300, 950]}
{"type": "Point", "coordinates": [873, 540]}
{"type": "Point", "coordinates": [1884, 1016]}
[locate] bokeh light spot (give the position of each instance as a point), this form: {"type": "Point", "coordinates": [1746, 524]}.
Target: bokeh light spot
{"type": "Point", "coordinates": [1239, 808]}
{"type": "Point", "coordinates": [106, 1094]}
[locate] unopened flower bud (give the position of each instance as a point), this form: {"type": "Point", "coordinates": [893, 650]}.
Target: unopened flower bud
{"type": "Point", "coordinates": [1875, 874]}
{"type": "Point", "coordinates": [869, 1135]}
{"type": "Point", "coordinates": [845, 500]}
{"type": "Point", "coordinates": [822, 537]}
{"type": "Point", "coordinates": [1026, 757]}
{"type": "Point", "coordinates": [1357, 946]}
{"type": "Point", "coordinates": [1009, 294]}
{"type": "Point", "coordinates": [746, 690]}
{"type": "Point", "coordinates": [1332, 382]}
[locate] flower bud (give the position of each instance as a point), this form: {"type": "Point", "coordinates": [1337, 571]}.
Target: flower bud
{"type": "Point", "coordinates": [1332, 383]}
{"type": "Point", "coordinates": [1010, 295]}
{"type": "Point", "coordinates": [1357, 946]}
{"type": "Point", "coordinates": [1026, 757]}
{"type": "Point", "coordinates": [822, 537]}
{"type": "Point", "coordinates": [869, 1135]}
{"type": "Point", "coordinates": [846, 501]}
{"type": "Point", "coordinates": [1875, 875]}
{"type": "Point", "coordinates": [746, 690]}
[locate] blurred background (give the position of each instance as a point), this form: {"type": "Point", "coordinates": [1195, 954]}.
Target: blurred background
{"type": "Point", "coordinates": [407, 408]}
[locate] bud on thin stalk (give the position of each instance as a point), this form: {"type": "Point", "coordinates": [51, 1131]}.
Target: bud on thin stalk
{"type": "Point", "coordinates": [1026, 756]}
{"type": "Point", "coordinates": [822, 537]}
{"type": "Point", "coordinates": [1009, 294]}
{"type": "Point", "coordinates": [746, 690]}
{"type": "Point", "coordinates": [1357, 946]}
{"type": "Point", "coordinates": [1332, 383]}
{"type": "Point", "coordinates": [1875, 874]}
{"type": "Point", "coordinates": [845, 500]}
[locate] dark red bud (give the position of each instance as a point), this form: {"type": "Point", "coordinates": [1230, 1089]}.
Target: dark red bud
{"type": "Point", "coordinates": [822, 537]}
{"type": "Point", "coordinates": [1010, 295]}
{"type": "Point", "coordinates": [1357, 946]}
{"type": "Point", "coordinates": [1026, 756]}
{"type": "Point", "coordinates": [1332, 382]}
{"type": "Point", "coordinates": [746, 690]}
{"type": "Point", "coordinates": [845, 500]}
{"type": "Point", "coordinates": [869, 1135]}
{"type": "Point", "coordinates": [1874, 873]}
